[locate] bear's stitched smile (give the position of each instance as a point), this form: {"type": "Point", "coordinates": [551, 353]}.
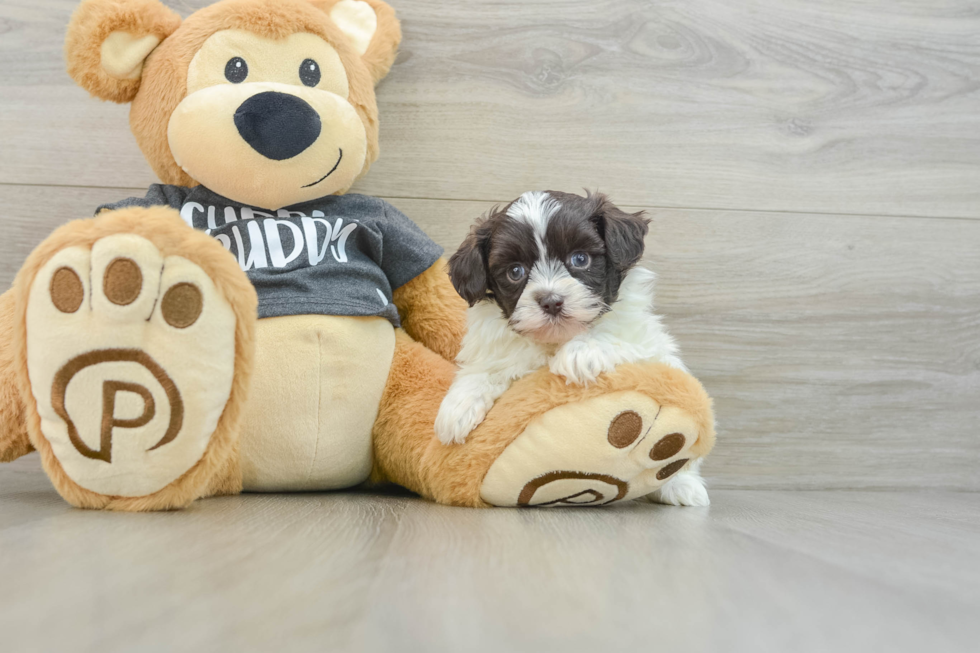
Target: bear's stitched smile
{"type": "Point", "coordinates": [339, 158]}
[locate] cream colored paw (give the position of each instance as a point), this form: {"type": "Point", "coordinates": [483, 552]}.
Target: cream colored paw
{"type": "Point", "coordinates": [615, 447]}
{"type": "Point", "coordinates": [130, 357]}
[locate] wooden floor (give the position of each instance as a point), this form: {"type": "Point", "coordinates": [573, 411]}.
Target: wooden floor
{"type": "Point", "coordinates": [758, 571]}
{"type": "Point", "coordinates": [813, 173]}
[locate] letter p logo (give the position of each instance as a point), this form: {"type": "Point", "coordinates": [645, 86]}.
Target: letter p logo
{"type": "Point", "coordinates": [111, 390]}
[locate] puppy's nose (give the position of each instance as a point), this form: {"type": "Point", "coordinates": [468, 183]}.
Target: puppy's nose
{"type": "Point", "coordinates": [551, 304]}
{"type": "Point", "coordinates": [277, 125]}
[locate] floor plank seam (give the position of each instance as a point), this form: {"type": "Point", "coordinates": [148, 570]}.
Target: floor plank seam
{"type": "Point", "coordinates": [916, 592]}
{"type": "Point", "coordinates": [655, 207]}
{"type": "Point", "coordinates": [373, 590]}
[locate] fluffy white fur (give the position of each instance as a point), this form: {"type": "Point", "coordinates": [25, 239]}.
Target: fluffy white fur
{"type": "Point", "coordinates": [493, 355]}
{"type": "Point", "coordinates": [685, 488]}
{"type": "Point", "coordinates": [535, 209]}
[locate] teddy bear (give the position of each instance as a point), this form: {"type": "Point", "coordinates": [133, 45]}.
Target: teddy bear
{"type": "Point", "coordinates": [249, 325]}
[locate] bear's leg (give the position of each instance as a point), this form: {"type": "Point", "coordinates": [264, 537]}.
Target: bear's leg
{"type": "Point", "coordinates": [132, 338]}
{"type": "Point", "coordinates": [14, 441]}
{"type": "Point", "coordinates": [544, 443]}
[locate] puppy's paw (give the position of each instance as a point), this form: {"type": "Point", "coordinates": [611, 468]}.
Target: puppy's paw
{"type": "Point", "coordinates": [581, 361]}
{"type": "Point", "coordinates": [684, 489]}
{"type": "Point", "coordinates": [458, 415]}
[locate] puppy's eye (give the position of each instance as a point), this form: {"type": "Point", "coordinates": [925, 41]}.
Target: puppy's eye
{"type": "Point", "coordinates": [309, 72]}
{"type": "Point", "coordinates": [236, 70]}
{"type": "Point", "coordinates": [516, 272]}
{"type": "Point", "coordinates": [580, 260]}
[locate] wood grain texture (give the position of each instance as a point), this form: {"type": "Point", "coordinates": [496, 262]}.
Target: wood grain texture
{"type": "Point", "coordinates": [840, 341]}
{"type": "Point", "coordinates": [757, 571]}
{"type": "Point", "coordinates": [842, 351]}
{"type": "Point", "coordinates": [865, 106]}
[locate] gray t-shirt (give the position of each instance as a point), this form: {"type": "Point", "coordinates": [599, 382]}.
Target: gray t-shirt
{"type": "Point", "coordinates": [338, 255]}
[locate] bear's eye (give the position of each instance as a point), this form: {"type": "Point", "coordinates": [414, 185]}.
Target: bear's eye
{"type": "Point", "coordinates": [236, 70]}
{"type": "Point", "coordinates": [309, 72]}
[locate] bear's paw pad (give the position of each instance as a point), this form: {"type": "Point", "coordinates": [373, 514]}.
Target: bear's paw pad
{"type": "Point", "coordinates": [615, 447]}
{"type": "Point", "coordinates": [130, 357]}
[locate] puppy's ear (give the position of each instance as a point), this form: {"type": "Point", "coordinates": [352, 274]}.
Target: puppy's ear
{"type": "Point", "coordinates": [468, 266]}
{"type": "Point", "coordinates": [622, 232]}
{"type": "Point", "coordinates": [108, 41]}
{"type": "Point", "coordinates": [372, 29]}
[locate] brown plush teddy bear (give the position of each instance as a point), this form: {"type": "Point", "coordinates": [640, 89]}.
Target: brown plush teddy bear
{"type": "Point", "coordinates": [297, 337]}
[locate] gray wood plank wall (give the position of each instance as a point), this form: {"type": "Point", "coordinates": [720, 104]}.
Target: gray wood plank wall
{"type": "Point", "coordinates": [813, 172]}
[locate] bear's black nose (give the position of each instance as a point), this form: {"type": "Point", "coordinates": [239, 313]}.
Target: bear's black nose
{"type": "Point", "coordinates": [277, 125]}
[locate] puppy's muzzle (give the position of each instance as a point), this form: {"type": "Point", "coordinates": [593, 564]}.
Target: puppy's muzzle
{"type": "Point", "coordinates": [278, 126]}
{"type": "Point", "coordinates": [551, 304]}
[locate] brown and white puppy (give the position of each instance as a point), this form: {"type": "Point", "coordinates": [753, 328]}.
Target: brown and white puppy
{"type": "Point", "coordinates": [551, 279]}
{"type": "Point", "coordinates": [545, 262]}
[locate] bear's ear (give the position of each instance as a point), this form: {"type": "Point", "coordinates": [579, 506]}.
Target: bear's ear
{"type": "Point", "coordinates": [108, 41]}
{"type": "Point", "coordinates": [372, 29]}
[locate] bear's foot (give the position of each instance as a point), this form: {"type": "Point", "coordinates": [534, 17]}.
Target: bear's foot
{"type": "Point", "coordinates": [613, 447]}
{"type": "Point", "coordinates": [132, 355]}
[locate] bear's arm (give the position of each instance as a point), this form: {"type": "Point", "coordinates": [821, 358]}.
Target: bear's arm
{"type": "Point", "coordinates": [430, 309]}
{"type": "Point", "coordinates": [14, 441]}
{"type": "Point", "coordinates": [156, 195]}
{"type": "Point", "coordinates": [432, 312]}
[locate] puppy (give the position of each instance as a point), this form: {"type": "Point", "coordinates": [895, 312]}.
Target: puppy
{"type": "Point", "coordinates": [551, 281]}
